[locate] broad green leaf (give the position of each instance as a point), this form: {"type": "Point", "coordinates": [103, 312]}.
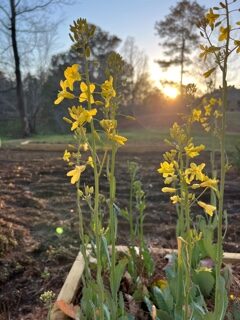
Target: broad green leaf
{"type": "Point", "coordinates": [148, 303]}
{"type": "Point", "coordinates": [158, 299]}
{"type": "Point", "coordinates": [119, 271]}
{"type": "Point", "coordinates": [205, 280]}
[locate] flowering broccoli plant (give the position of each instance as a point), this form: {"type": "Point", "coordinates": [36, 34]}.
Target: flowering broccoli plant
{"type": "Point", "coordinates": [92, 100]}
{"type": "Point", "coordinates": [197, 272]}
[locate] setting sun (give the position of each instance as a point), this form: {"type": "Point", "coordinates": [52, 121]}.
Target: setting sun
{"type": "Point", "coordinates": [171, 92]}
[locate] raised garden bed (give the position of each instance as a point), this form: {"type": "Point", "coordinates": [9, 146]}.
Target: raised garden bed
{"type": "Point", "coordinates": [72, 283]}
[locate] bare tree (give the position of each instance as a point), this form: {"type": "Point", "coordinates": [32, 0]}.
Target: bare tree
{"type": "Point", "coordinates": [138, 62]}
{"type": "Point", "coordinates": [179, 33]}
{"type": "Point", "coordinates": [21, 23]}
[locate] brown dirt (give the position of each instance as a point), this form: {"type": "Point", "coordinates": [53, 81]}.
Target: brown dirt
{"type": "Point", "coordinates": [36, 197]}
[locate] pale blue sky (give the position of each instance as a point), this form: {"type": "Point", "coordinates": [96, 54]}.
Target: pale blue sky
{"type": "Point", "coordinates": [124, 18]}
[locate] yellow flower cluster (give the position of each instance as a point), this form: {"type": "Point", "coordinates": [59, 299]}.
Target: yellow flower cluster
{"type": "Point", "coordinates": [109, 127]}
{"type": "Point", "coordinates": [108, 91]}
{"type": "Point", "coordinates": [79, 116]}
{"type": "Point", "coordinates": [176, 171]}
{"type": "Point", "coordinates": [71, 75]}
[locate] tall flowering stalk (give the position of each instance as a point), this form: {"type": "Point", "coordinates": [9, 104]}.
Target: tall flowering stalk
{"type": "Point", "coordinates": [93, 99]}
{"type": "Point", "coordinates": [217, 20]}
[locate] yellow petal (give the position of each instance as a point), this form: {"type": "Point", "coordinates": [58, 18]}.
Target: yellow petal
{"type": "Point", "coordinates": [83, 86]}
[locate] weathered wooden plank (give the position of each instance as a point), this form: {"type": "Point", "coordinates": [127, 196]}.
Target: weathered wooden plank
{"type": "Point", "coordinates": [70, 287]}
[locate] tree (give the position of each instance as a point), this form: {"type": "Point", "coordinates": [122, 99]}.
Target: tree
{"type": "Point", "coordinates": [138, 79]}
{"type": "Point", "coordinates": [179, 32]}
{"type": "Point", "coordinates": [102, 46]}
{"type": "Point", "coordinates": [21, 21]}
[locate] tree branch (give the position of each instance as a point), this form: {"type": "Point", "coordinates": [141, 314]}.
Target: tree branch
{"type": "Point", "coordinates": [37, 7]}
{"type": "Point", "coordinates": [5, 11]}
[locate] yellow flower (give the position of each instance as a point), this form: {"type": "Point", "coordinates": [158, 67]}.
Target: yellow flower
{"type": "Point", "coordinates": [175, 199]}
{"type": "Point", "coordinates": [232, 297]}
{"type": "Point", "coordinates": [237, 44]}
{"type": "Point", "coordinates": [209, 183]}
{"type": "Point", "coordinates": [87, 91]}
{"type": "Point", "coordinates": [66, 155]}
{"type": "Point", "coordinates": [193, 151]}
{"type": "Point", "coordinates": [178, 134]}
{"type": "Point", "coordinates": [196, 115]}
{"type": "Point", "coordinates": [170, 190]}
{"type": "Point", "coordinates": [161, 283]}
{"type": "Point", "coordinates": [81, 115]}
{"type": "Point", "coordinates": [108, 91]}
{"type": "Point", "coordinates": [169, 180]}
{"type": "Point", "coordinates": [119, 139]}
{"type": "Point", "coordinates": [208, 110]}
{"type": "Point", "coordinates": [208, 208]}
{"type": "Point", "coordinates": [203, 269]}
{"type": "Point", "coordinates": [211, 17]}
{"type": "Point", "coordinates": [72, 75]}
{"type": "Point", "coordinates": [196, 186]}
{"type": "Point", "coordinates": [224, 33]}
{"type": "Point", "coordinates": [84, 146]}
{"type": "Point", "coordinates": [108, 125]}
{"type": "Point", "coordinates": [170, 155]}
{"type": "Point", "coordinates": [63, 93]}
{"type": "Point", "coordinates": [90, 162]}
{"type": "Point", "coordinates": [217, 114]}
{"type": "Point", "coordinates": [167, 169]}
{"type": "Point", "coordinates": [194, 172]}
{"type": "Point", "coordinates": [76, 173]}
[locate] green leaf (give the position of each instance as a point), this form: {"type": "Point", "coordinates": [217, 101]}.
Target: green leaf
{"type": "Point", "coordinates": [218, 24]}
{"type": "Point", "coordinates": [158, 299]}
{"type": "Point", "coordinates": [106, 251]}
{"type": "Point", "coordinates": [148, 303]}
{"type": "Point", "coordinates": [124, 213]}
{"type": "Point", "coordinates": [205, 280]}
{"type": "Point", "coordinates": [223, 300]}
{"type": "Point", "coordinates": [106, 313]}
{"type": "Point", "coordinates": [209, 72]}
{"type": "Point", "coordinates": [163, 315]}
{"type": "Point", "coordinates": [119, 270]}
{"type": "Point", "coordinates": [87, 52]}
{"type": "Point", "coordinates": [147, 260]}
{"type": "Point", "coordinates": [209, 316]}
{"type": "Point", "coordinates": [236, 311]}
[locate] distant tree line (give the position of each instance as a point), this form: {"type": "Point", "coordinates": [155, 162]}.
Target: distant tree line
{"type": "Point", "coordinates": [40, 88]}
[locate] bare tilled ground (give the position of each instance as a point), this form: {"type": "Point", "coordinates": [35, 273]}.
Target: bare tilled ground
{"type": "Point", "coordinates": [36, 197]}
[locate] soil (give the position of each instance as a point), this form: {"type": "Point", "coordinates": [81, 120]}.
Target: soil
{"type": "Point", "coordinates": [36, 198]}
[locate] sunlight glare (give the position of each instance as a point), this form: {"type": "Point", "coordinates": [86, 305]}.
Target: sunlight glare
{"type": "Point", "coordinates": [171, 92]}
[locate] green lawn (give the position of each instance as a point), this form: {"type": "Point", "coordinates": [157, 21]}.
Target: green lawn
{"type": "Point", "coordinates": [143, 137]}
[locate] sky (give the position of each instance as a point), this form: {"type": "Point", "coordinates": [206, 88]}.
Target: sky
{"type": "Point", "coordinates": [123, 18]}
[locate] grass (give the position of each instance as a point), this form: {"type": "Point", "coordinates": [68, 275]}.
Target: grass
{"type": "Point", "coordinates": [136, 138]}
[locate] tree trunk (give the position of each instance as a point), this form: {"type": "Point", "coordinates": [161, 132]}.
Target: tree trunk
{"type": "Point", "coordinates": [182, 66]}
{"type": "Point", "coordinates": [19, 85]}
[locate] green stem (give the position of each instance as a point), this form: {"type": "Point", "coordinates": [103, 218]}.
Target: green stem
{"type": "Point", "coordinates": [213, 165]}
{"type": "Point", "coordinates": [218, 292]}
{"type": "Point", "coordinates": [113, 224]}
{"type": "Point", "coordinates": [80, 218]}
{"type": "Point", "coordinates": [97, 220]}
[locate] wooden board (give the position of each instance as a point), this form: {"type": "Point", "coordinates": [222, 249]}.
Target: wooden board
{"type": "Point", "coordinates": [70, 287]}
